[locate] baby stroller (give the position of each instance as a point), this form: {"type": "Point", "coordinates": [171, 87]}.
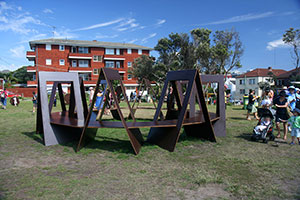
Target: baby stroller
{"type": "Point", "coordinates": [264, 129]}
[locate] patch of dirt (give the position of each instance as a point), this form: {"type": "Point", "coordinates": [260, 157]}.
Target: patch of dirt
{"type": "Point", "coordinates": [209, 191]}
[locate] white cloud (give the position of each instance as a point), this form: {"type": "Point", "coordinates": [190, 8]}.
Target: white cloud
{"type": "Point", "coordinates": [64, 34]}
{"type": "Point", "coordinates": [47, 11]}
{"type": "Point", "coordinates": [19, 25]}
{"type": "Point", "coordinates": [127, 24]}
{"type": "Point", "coordinates": [144, 40]}
{"type": "Point", "coordinates": [106, 36]}
{"type": "Point", "coordinates": [13, 19]}
{"type": "Point", "coordinates": [4, 6]}
{"type": "Point", "coordinates": [276, 44]}
{"type": "Point", "coordinates": [18, 52]}
{"type": "Point", "coordinates": [241, 18]}
{"type": "Point", "coordinates": [161, 21]}
{"type": "Point", "coordinates": [100, 25]}
{"type": "Point", "coordinates": [10, 67]}
{"type": "Point", "coordinates": [133, 41]}
{"type": "Point", "coordinates": [40, 36]}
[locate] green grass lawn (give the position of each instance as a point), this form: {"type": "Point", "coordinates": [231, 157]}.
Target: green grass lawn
{"type": "Point", "coordinates": [232, 168]}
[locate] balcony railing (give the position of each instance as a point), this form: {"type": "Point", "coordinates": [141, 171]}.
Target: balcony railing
{"type": "Point", "coordinates": [80, 56]}
{"type": "Point", "coordinates": [30, 55]}
{"type": "Point", "coordinates": [31, 69]}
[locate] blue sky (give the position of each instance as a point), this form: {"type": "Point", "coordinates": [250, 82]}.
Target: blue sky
{"type": "Point", "coordinates": [260, 24]}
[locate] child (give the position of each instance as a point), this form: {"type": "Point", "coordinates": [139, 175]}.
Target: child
{"type": "Point", "coordinates": [294, 122]}
{"type": "Point", "coordinates": [263, 124]}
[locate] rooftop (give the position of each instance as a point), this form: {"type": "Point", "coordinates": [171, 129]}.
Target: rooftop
{"type": "Point", "coordinates": [87, 43]}
{"type": "Point", "coordinates": [262, 72]}
{"type": "Point", "coordinates": [290, 73]}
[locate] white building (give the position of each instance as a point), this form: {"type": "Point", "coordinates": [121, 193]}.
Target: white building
{"type": "Point", "coordinates": [251, 79]}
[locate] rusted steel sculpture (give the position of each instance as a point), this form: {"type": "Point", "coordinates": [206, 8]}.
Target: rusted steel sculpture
{"type": "Point", "coordinates": [145, 84]}
{"type": "Point", "coordinates": [165, 133]}
{"type": "Point", "coordinates": [53, 126]}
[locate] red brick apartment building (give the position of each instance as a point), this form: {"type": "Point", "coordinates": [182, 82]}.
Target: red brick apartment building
{"type": "Point", "coordinates": [84, 57]}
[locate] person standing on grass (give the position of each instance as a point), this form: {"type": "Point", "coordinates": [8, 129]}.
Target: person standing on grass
{"type": "Point", "coordinates": [34, 101]}
{"type": "Point", "coordinates": [3, 95]}
{"type": "Point", "coordinates": [251, 107]}
{"type": "Point", "coordinates": [291, 97]}
{"type": "Point", "coordinates": [294, 122]}
{"type": "Point", "coordinates": [281, 115]}
{"type": "Point", "coordinates": [91, 94]}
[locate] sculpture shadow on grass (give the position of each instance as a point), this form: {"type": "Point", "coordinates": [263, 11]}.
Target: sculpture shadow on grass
{"type": "Point", "coordinates": [38, 138]}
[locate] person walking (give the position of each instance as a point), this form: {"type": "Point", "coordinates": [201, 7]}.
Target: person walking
{"type": "Point", "coordinates": [3, 95]}
{"type": "Point", "coordinates": [34, 101]}
{"type": "Point", "coordinates": [281, 115]}
{"type": "Point", "coordinates": [251, 109]}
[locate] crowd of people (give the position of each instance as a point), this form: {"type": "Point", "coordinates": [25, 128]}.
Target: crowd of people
{"type": "Point", "coordinates": [285, 107]}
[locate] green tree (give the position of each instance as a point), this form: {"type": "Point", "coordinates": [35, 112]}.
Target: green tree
{"type": "Point", "coordinates": [204, 53]}
{"type": "Point", "coordinates": [143, 67]}
{"type": "Point", "coordinates": [292, 37]}
{"type": "Point", "coordinates": [176, 52]}
{"type": "Point", "coordinates": [228, 51]}
{"type": "Point", "coordinates": [21, 75]}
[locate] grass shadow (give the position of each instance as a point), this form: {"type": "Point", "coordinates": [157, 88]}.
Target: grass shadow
{"type": "Point", "coordinates": [34, 136]}
{"type": "Point", "coordinates": [235, 108]}
{"type": "Point", "coordinates": [245, 136]}
{"type": "Point", "coordinates": [107, 144]}
{"type": "Point", "coordinates": [238, 118]}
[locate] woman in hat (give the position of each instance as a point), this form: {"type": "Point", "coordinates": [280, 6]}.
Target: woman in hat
{"type": "Point", "coordinates": [251, 107]}
{"type": "Point", "coordinates": [281, 115]}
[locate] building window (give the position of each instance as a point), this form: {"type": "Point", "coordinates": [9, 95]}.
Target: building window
{"type": "Point", "coordinates": [97, 58]}
{"type": "Point", "coordinates": [85, 76]}
{"type": "Point", "coordinates": [61, 62]}
{"type": "Point", "coordinates": [109, 64]}
{"type": "Point", "coordinates": [140, 51]}
{"type": "Point", "coordinates": [110, 51]}
{"type": "Point", "coordinates": [128, 51]}
{"type": "Point", "coordinates": [122, 76]}
{"type": "Point", "coordinates": [242, 91]}
{"type": "Point", "coordinates": [61, 47]}
{"type": "Point", "coordinates": [251, 81]}
{"type": "Point", "coordinates": [129, 64]}
{"type": "Point", "coordinates": [83, 63]}
{"type": "Point", "coordinates": [117, 51]}
{"type": "Point", "coordinates": [129, 77]}
{"type": "Point", "coordinates": [48, 62]}
{"type": "Point", "coordinates": [73, 50]}
{"type": "Point", "coordinates": [83, 50]}
{"type": "Point", "coordinates": [48, 47]}
{"type": "Point", "coordinates": [96, 71]}
{"type": "Point", "coordinates": [242, 82]}
{"type": "Point", "coordinates": [74, 63]}
{"type": "Point", "coordinates": [118, 64]}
